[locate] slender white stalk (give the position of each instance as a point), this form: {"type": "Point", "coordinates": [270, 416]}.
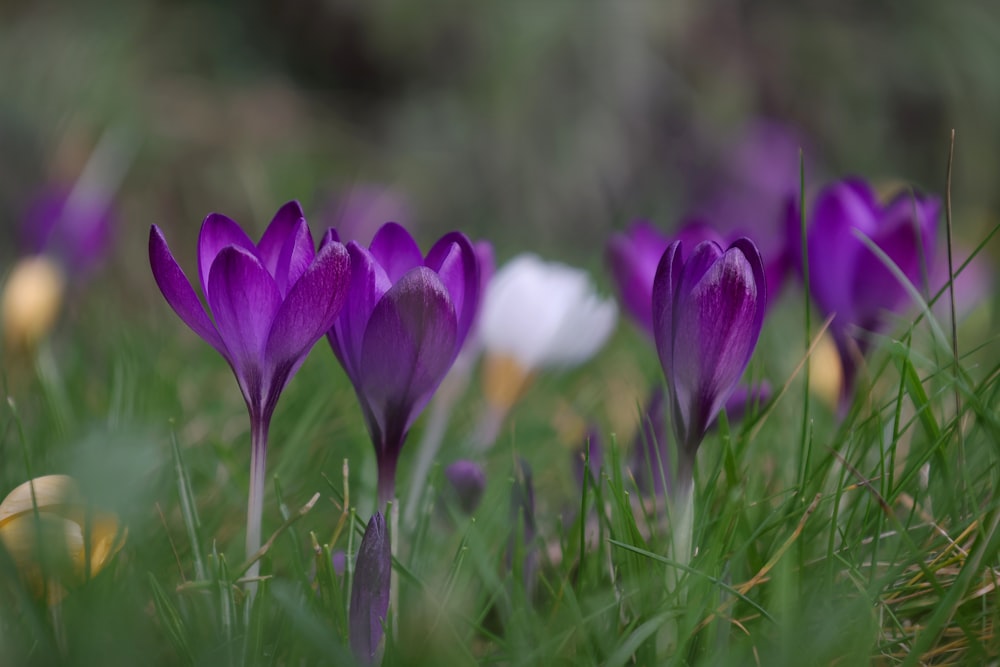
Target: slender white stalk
{"type": "Point", "coordinates": [488, 427]}
{"type": "Point", "coordinates": [430, 444]}
{"type": "Point", "coordinates": [255, 500]}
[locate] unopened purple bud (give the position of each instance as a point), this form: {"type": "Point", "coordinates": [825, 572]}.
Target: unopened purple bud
{"type": "Point", "coordinates": [468, 481]}
{"type": "Point", "coordinates": [370, 592]}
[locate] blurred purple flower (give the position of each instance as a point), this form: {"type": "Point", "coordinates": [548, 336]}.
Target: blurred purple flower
{"type": "Point", "coordinates": [468, 481]}
{"type": "Point", "coordinates": [972, 284]}
{"type": "Point", "coordinates": [847, 279]}
{"type": "Point", "coordinates": [756, 184]}
{"type": "Point", "coordinates": [403, 323]}
{"type": "Point", "coordinates": [633, 257]}
{"type": "Point", "coordinates": [370, 590]}
{"type": "Point", "coordinates": [271, 301]}
{"type": "Point", "coordinates": [708, 311]}
{"type": "Point", "coordinates": [359, 211]}
{"type": "Point", "coordinates": [74, 226]}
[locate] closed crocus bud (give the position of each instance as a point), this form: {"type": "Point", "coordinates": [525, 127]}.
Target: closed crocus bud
{"type": "Point", "coordinates": [370, 590]}
{"type": "Point", "coordinates": [467, 481]}
{"type": "Point", "coordinates": [847, 279]}
{"type": "Point", "coordinates": [708, 309]}
{"type": "Point", "coordinates": [536, 315]}
{"type": "Point", "coordinates": [62, 546]}
{"type": "Point", "coordinates": [32, 297]}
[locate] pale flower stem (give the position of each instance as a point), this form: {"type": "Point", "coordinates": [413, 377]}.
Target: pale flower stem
{"type": "Point", "coordinates": [430, 444]}
{"type": "Point", "coordinates": [255, 501]}
{"type": "Point", "coordinates": [488, 428]}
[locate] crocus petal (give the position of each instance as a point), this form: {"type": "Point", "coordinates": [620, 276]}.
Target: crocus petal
{"type": "Point", "coordinates": [633, 258]}
{"type": "Point", "coordinates": [454, 260]}
{"type": "Point", "coordinates": [584, 330]}
{"type": "Point", "coordinates": [665, 286]}
{"type": "Point", "coordinates": [178, 292]}
{"type": "Point", "coordinates": [217, 232]}
{"type": "Point", "coordinates": [368, 283]}
{"type": "Point", "coordinates": [283, 225]}
{"type": "Point", "coordinates": [244, 300]}
{"type": "Point", "coordinates": [311, 306]}
{"type": "Point", "coordinates": [468, 481]}
{"type": "Point", "coordinates": [395, 250]}
{"type": "Point", "coordinates": [409, 344]}
{"type": "Point", "coordinates": [715, 335]}
{"type": "Point", "coordinates": [370, 590]}
{"type": "Point", "coordinates": [295, 257]}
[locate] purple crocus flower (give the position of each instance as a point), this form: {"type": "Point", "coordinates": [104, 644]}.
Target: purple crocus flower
{"type": "Point", "coordinates": [73, 225]}
{"type": "Point", "coordinates": [370, 590]}
{"type": "Point", "coordinates": [708, 309]}
{"type": "Point", "coordinates": [404, 322]}
{"type": "Point", "coordinates": [847, 279]}
{"type": "Point", "coordinates": [271, 301]}
{"type": "Point", "coordinates": [468, 482]}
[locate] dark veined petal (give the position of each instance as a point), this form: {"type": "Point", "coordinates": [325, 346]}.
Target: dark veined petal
{"type": "Point", "coordinates": [311, 306]}
{"type": "Point", "coordinates": [409, 345]}
{"type": "Point", "coordinates": [455, 261]}
{"type": "Point", "coordinates": [395, 250]}
{"type": "Point", "coordinates": [178, 292]}
{"type": "Point", "coordinates": [367, 285]}
{"type": "Point", "coordinates": [701, 260]}
{"type": "Point", "coordinates": [296, 256]}
{"type": "Point", "coordinates": [217, 232]}
{"type": "Point", "coordinates": [760, 275]}
{"type": "Point", "coordinates": [715, 333]}
{"type": "Point", "coordinates": [665, 285]}
{"type": "Point", "coordinates": [244, 300]}
{"type": "Point", "coordinates": [370, 591]}
{"type": "Point", "coordinates": [284, 224]}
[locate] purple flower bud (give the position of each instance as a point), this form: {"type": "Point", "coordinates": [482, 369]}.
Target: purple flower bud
{"type": "Point", "coordinates": [404, 321]}
{"type": "Point", "coordinates": [708, 310]}
{"type": "Point", "coordinates": [468, 482]}
{"type": "Point", "coordinates": [370, 590]}
{"type": "Point", "coordinates": [271, 300]}
{"type": "Point", "coordinates": [846, 278]}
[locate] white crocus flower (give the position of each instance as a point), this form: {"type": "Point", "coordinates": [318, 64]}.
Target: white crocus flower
{"type": "Point", "coordinates": [536, 315]}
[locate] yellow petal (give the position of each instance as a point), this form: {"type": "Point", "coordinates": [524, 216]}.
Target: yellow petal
{"type": "Point", "coordinates": [31, 301]}
{"type": "Point", "coordinates": [52, 493]}
{"type": "Point", "coordinates": [44, 547]}
{"type": "Point", "coordinates": [504, 380]}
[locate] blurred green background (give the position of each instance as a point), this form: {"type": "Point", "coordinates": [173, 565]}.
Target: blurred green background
{"type": "Point", "coordinates": [540, 124]}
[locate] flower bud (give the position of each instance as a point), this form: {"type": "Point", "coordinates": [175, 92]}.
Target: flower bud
{"type": "Point", "coordinates": [31, 301]}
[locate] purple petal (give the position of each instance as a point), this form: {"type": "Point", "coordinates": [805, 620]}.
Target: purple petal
{"type": "Point", "coordinates": [370, 590]}
{"type": "Point", "coordinates": [454, 260]}
{"type": "Point", "coordinates": [368, 284]}
{"type": "Point", "coordinates": [217, 232]}
{"type": "Point", "coordinates": [395, 250]}
{"type": "Point", "coordinates": [178, 292]}
{"type": "Point", "coordinates": [468, 481]}
{"type": "Point", "coordinates": [633, 258]}
{"type": "Point", "coordinates": [409, 346]}
{"type": "Point", "coordinates": [702, 259]}
{"type": "Point", "coordinates": [717, 328]}
{"type": "Point", "coordinates": [284, 224]}
{"type": "Point", "coordinates": [311, 306]}
{"type": "Point", "coordinates": [244, 300]}
{"type": "Point", "coordinates": [487, 264]}
{"type": "Point", "coordinates": [833, 248]}
{"type": "Point", "coordinates": [295, 256]}
{"type": "Point", "coordinates": [665, 287]}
